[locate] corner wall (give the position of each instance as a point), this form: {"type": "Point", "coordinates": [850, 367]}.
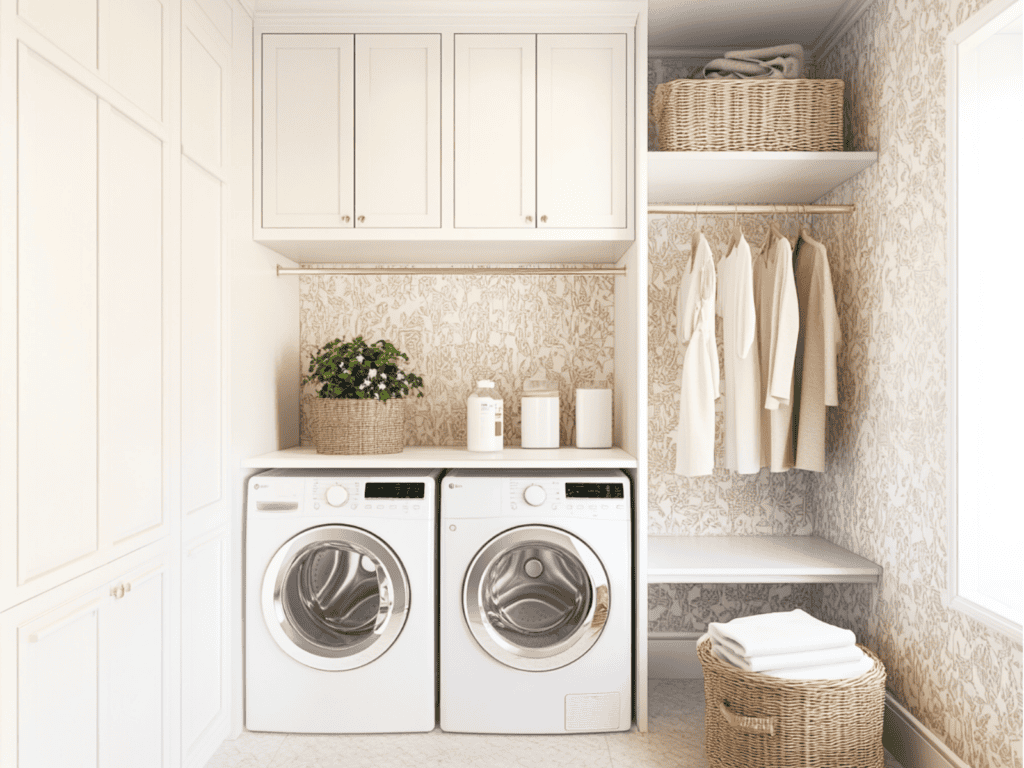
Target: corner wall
{"type": "Point", "coordinates": [884, 493]}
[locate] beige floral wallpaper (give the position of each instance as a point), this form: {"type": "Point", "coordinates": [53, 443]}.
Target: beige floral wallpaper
{"type": "Point", "coordinates": [884, 493]}
{"type": "Point", "coordinates": [459, 329]}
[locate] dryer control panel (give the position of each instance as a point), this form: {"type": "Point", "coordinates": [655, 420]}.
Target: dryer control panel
{"type": "Point", "coordinates": [343, 496]}
{"type": "Point", "coordinates": [593, 494]}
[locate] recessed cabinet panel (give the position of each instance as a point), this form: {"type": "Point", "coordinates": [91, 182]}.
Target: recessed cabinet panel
{"type": "Point", "coordinates": [58, 680]}
{"type": "Point", "coordinates": [57, 206]}
{"type": "Point", "coordinates": [307, 131]}
{"type": "Point", "coordinates": [130, 328]}
{"type": "Point", "coordinates": [70, 24]}
{"type": "Point", "coordinates": [202, 639]}
{"type": "Point", "coordinates": [495, 131]}
{"type": "Point", "coordinates": [581, 131]}
{"type": "Point", "coordinates": [202, 107]}
{"type": "Point", "coordinates": [131, 658]}
{"type": "Point", "coordinates": [134, 46]}
{"type": "Point", "coordinates": [201, 385]}
{"type": "Point", "coordinates": [398, 130]}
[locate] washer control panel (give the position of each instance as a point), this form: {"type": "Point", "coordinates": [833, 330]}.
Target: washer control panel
{"type": "Point", "coordinates": [339, 496]}
{"type": "Point", "coordinates": [568, 498]}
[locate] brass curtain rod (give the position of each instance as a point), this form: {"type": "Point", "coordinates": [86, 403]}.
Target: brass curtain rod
{"type": "Point", "coordinates": [759, 208]}
{"type": "Point", "coordinates": [429, 270]}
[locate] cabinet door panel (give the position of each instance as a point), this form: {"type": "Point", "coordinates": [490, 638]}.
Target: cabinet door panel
{"type": "Point", "coordinates": [135, 47]}
{"type": "Point", "coordinates": [307, 131]}
{"type": "Point", "coordinates": [58, 685]}
{"type": "Point", "coordinates": [202, 107]}
{"type": "Point", "coordinates": [202, 636]}
{"type": "Point", "coordinates": [130, 328]}
{"type": "Point", "coordinates": [581, 131]}
{"type": "Point", "coordinates": [398, 130]}
{"type": "Point", "coordinates": [495, 129]}
{"type": "Point", "coordinates": [132, 690]}
{"type": "Point", "coordinates": [57, 213]}
{"type": "Point", "coordinates": [70, 24]}
{"type": "Point", "coordinates": [201, 380]}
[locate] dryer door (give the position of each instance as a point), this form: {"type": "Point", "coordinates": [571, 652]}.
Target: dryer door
{"type": "Point", "coordinates": [536, 598]}
{"type": "Point", "coordinates": [335, 597]}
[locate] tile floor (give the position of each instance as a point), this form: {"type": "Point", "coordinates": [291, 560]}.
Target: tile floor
{"type": "Point", "coordinates": [675, 740]}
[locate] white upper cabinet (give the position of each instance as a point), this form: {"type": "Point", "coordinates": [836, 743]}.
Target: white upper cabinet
{"type": "Point", "coordinates": [398, 130]}
{"type": "Point", "coordinates": [351, 131]}
{"type": "Point", "coordinates": [581, 131]}
{"type": "Point", "coordinates": [495, 131]}
{"type": "Point", "coordinates": [308, 131]}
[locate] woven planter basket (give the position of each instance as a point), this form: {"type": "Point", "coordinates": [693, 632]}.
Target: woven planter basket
{"type": "Point", "coordinates": [357, 426]}
{"type": "Point", "coordinates": [755, 721]}
{"type": "Point", "coordinates": [749, 115]}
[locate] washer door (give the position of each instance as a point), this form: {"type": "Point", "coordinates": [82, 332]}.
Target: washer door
{"type": "Point", "coordinates": [536, 598]}
{"type": "Point", "coordinates": [335, 597]}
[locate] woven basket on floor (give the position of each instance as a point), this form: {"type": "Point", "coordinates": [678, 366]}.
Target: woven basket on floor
{"type": "Point", "coordinates": [756, 721]}
{"type": "Point", "coordinates": [357, 426]}
{"type": "Point", "coordinates": [772, 115]}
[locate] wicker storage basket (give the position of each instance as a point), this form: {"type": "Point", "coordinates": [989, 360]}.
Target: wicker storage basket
{"type": "Point", "coordinates": [749, 115]}
{"type": "Point", "coordinates": [357, 426]}
{"type": "Point", "coordinates": [756, 721]}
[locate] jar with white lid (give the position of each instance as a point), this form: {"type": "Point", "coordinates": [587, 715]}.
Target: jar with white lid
{"type": "Point", "coordinates": [485, 424]}
{"type": "Point", "coordinates": [540, 414]}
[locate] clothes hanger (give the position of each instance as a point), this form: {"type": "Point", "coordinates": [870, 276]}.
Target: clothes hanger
{"type": "Point", "coordinates": [737, 230]}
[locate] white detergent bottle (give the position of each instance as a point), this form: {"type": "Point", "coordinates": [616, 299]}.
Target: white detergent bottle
{"type": "Point", "coordinates": [485, 424]}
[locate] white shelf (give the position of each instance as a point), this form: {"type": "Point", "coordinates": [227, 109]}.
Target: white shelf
{"type": "Point", "coordinates": [443, 457]}
{"type": "Point", "coordinates": [775, 178]}
{"type": "Point", "coordinates": [754, 560]}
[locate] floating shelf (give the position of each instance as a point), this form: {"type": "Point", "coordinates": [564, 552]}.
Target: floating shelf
{"type": "Point", "coordinates": [443, 457]}
{"type": "Point", "coordinates": [754, 560]}
{"type": "Point", "coordinates": [750, 177]}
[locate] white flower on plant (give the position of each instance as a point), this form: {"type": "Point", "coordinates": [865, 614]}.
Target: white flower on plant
{"type": "Point", "coordinates": [401, 376]}
{"type": "Point", "coordinates": [359, 358]}
{"type": "Point", "coordinates": [376, 396]}
{"type": "Point", "coordinates": [383, 377]}
{"type": "Point", "coordinates": [380, 386]}
{"type": "Point", "coordinates": [373, 373]}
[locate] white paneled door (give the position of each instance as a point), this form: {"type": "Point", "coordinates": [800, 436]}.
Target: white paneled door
{"type": "Point", "coordinates": [398, 130]}
{"type": "Point", "coordinates": [495, 130]}
{"type": "Point", "coordinates": [308, 131]}
{"type": "Point", "coordinates": [581, 131]}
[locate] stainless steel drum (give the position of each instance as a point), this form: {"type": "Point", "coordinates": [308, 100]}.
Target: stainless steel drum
{"type": "Point", "coordinates": [335, 597]}
{"type": "Point", "coordinates": [536, 598]}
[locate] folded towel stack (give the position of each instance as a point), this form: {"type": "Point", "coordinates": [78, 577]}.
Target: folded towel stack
{"type": "Point", "coordinates": [792, 645]}
{"type": "Point", "coordinates": [780, 61]}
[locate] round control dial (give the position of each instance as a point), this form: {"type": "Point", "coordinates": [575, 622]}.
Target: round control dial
{"type": "Point", "coordinates": [337, 495]}
{"type": "Point", "coordinates": [534, 495]}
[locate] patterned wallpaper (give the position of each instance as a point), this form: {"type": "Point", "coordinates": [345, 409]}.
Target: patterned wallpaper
{"type": "Point", "coordinates": [459, 329]}
{"type": "Point", "coordinates": [884, 492]}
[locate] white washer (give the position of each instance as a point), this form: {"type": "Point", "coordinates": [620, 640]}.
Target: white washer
{"type": "Point", "coordinates": [536, 601]}
{"type": "Point", "coordinates": [341, 601]}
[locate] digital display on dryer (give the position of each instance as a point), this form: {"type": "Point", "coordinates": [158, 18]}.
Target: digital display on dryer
{"type": "Point", "coordinates": [593, 491]}
{"type": "Point", "coordinates": [395, 491]}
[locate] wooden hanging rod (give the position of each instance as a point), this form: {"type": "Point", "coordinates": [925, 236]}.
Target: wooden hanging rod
{"type": "Point", "coordinates": [759, 208]}
{"type": "Point", "coordinates": [468, 270]}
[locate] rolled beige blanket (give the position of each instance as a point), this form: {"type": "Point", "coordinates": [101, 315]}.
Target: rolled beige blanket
{"type": "Point", "coordinates": [779, 61]}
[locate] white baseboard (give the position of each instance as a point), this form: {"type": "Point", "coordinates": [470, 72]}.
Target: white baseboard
{"type": "Point", "coordinates": [912, 743]}
{"type": "Point", "coordinates": [673, 655]}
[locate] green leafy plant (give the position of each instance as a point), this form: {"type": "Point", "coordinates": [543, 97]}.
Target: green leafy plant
{"type": "Point", "coordinates": [356, 370]}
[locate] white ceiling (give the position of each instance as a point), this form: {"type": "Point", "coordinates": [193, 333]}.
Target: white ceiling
{"type": "Point", "coordinates": [701, 25]}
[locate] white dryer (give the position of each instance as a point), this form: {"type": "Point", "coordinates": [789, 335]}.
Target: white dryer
{"type": "Point", "coordinates": [536, 601]}
{"type": "Point", "coordinates": [341, 601]}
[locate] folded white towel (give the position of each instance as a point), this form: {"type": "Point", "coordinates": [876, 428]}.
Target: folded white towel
{"type": "Point", "coordinates": [768, 634]}
{"type": "Point", "coordinates": [839, 655]}
{"type": "Point", "coordinates": [825, 671]}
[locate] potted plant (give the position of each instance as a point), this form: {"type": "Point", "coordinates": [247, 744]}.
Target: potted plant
{"type": "Point", "coordinates": [358, 408]}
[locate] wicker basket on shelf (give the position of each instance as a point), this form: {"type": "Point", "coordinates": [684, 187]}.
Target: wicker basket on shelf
{"type": "Point", "coordinates": [356, 427]}
{"type": "Point", "coordinates": [771, 115]}
{"type": "Point", "coordinates": [756, 721]}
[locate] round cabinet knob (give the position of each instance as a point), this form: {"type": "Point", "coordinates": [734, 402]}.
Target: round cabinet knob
{"type": "Point", "coordinates": [336, 495]}
{"type": "Point", "coordinates": [534, 495]}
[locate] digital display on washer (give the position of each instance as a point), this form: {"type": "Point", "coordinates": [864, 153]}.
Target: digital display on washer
{"type": "Point", "coordinates": [593, 490]}
{"type": "Point", "coordinates": [394, 491]}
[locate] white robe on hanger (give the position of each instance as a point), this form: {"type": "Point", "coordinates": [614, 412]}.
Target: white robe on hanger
{"type": "Point", "coordinates": [742, 364]}
{"type": "Point", "coordinates": [695, 439]}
